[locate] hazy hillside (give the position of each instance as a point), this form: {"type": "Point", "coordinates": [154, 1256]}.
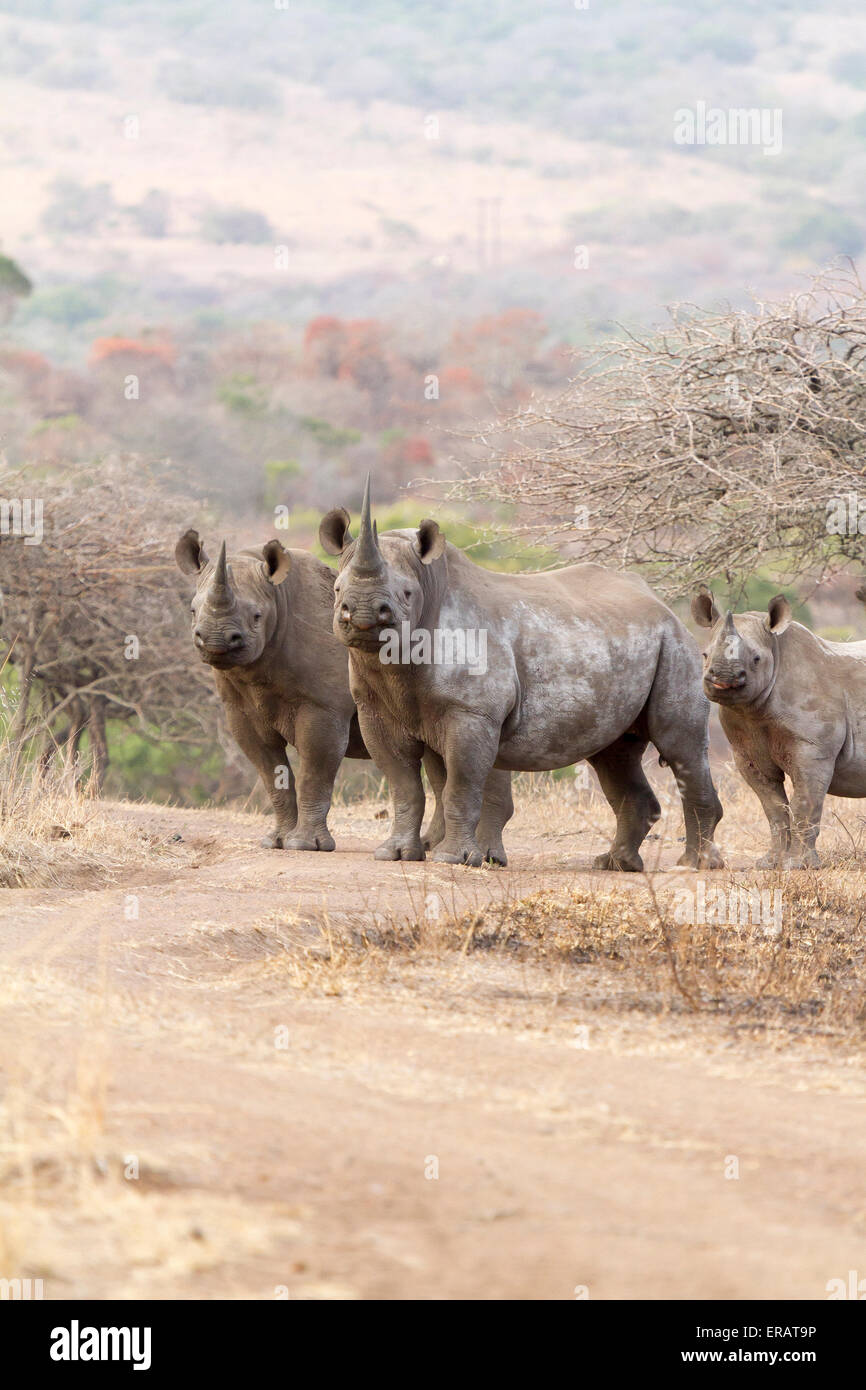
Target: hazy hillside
{"type": "Point", "coordinates": [153, 158]}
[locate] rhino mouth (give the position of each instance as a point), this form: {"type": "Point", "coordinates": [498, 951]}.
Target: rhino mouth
{"type": "Point", "coordinates": [223, 660]}
{"type": "Point", "coordinates": [368, 641]}
{"type": "Point", "coordinates": [721, 690]}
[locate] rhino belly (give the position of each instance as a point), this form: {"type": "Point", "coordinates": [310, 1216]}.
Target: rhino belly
{"type": "Point", "coordinates": [849, 780]}
{"type": "Point", "coordinates": [558, 728]}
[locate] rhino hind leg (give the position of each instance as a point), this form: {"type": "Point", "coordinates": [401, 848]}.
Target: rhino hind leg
{"type": "Point", "coordinates": [631, 798]}
{"type": "Point", "coordinates": [434, 766]}
{"type": "Point", "coordinates": [677, 717]}
{"type": "Point", "coordinates": [496, 811]}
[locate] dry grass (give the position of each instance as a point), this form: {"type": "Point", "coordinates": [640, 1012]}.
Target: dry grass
{"type": "Point", "coordinates": [766, 949]}
{"type": "Point", "coordinates": [808, 978]}
{"type": "Point", "coordinates": [53, 833]}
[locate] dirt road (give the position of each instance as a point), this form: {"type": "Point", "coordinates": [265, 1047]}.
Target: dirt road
{"type": "Point", "coordinates": [208, 1095]}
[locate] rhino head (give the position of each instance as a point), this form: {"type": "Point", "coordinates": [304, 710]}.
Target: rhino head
{"type": "Point", "coordinates": [740, 657]}
{"type": "Point", "coordinates": [234, 608]}
{"type": "Point", "coordinates": [381, 583]}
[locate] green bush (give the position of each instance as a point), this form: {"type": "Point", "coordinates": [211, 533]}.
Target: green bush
{"type": "Point", "coordinates": [328, 435]}
{"type": "Point", "coordinates": [77, 208]}
{"type": "Point", "coordinates": [243, 395]}
{"type": "Point", "coordinates": [236, 225]}
{"type": "Point", "coordinates": [202, 85]}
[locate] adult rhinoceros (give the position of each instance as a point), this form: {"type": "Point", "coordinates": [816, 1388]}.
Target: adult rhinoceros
{"type": "Point", "coordinates": [262, 620]}
{"type": "Point", "coordinates": [789, 703]}
{"type": "Point", "coordinates": [579, 663]}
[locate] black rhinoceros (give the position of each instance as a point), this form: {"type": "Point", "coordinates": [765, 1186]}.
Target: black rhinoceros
{"type": "Point", "coordinates": [790, 703]}
{"type": "Point", "coordinates": [263, 620]}
{"type": "Point", "coordinates": [507, 672]}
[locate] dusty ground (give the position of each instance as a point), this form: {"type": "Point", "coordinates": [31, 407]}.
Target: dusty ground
{"type": "Point", "coordinates": [287, 1048]}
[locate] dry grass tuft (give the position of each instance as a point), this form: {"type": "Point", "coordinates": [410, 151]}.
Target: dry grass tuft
{"type": "Point", "coordinates": [54, 833]}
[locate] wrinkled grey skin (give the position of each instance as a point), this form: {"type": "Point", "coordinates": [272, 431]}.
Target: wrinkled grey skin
{"type": "Point", "coordinates": [262, 620]}
{"type": "Point", "coordinates": [581, 663]}
{"type": "Point", "coordinates": [790, 704]}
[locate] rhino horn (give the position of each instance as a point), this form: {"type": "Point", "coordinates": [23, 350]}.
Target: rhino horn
{"type": "Point", "coordinates": [730, 630]}
{"type": "Point", "coordinates": [220, 591]}
{"type": "Point", "coordinates": [367, 559]}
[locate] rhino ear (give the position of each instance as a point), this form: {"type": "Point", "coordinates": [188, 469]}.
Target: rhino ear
{"type": "Point", "coordinates": [704, 610]}
{"type": "Point", "coordinates": [334, 531]}
{"type": "Point", "coordinates": [429, 542]}
{"type": "Point", "coordinates": [778, 614]}
{"type": "Point", "coordinates": [189, 553]}
{"type": "Point", "coordinates": [277, 561]}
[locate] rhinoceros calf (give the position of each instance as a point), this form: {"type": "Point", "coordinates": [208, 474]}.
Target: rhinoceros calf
{"type": "Point", "coordinates": [579, 663]}
{"type": "Point", "coordinates": [262, 620]}
{"type": "Point", "coordinates": [789, 703]}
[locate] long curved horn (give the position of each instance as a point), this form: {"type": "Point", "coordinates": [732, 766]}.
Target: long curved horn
{"type": "Point", "coordinates": [367, 558]}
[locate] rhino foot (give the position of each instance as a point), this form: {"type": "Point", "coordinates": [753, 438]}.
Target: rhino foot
{"type": "Point", "coordinates": [620, 862]}
{"type": "Point", "coordinates": [706, 858]}
{"type": "Point", "coordinates": [394, 848]}
{"type": "Point", "coordinates": [323, 840]}
{"type": "Point", "coordinates": [806, 859]}
{"type": "Point", "coordinates": [272, 841]}
{"type": "Point", "coordinates": [468, 854]}
{"type": "Point", "coordinates": [773, 859]}
{"type": "Point", "coordinates": [495, 854]}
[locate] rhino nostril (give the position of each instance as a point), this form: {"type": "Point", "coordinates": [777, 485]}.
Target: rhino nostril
{"type": "Point", "coordinates": [236, 639]}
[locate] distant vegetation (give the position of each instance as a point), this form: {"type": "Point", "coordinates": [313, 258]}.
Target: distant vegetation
{"type": "Point", "coordinates": [144, 317]}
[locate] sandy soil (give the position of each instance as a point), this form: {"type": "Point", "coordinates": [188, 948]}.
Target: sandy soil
{"type": "Point", "coordinates": [287, 1106]}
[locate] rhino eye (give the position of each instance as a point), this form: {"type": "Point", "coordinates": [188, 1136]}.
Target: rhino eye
{"type": "Point", "coordinates": [757, 658]}
{"type": "Point", "coordinates": [257, 617]}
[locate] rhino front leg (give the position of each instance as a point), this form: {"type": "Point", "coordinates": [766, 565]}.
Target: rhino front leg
{"type": "Point", "coordinates": [398, 757]}
{"type": "Point", "coordinates": [768, 784]}
{"type": "Point", "coordinates": [321, 741]}
{"type": "Point", "coordinates": [271, 762]}
{"type": "Point", "coordinates": [471, 746]}
{"type": "Point", "coordinates": [496, 810]}
{"type": "Point", "coordinates": [811, 778]}
{"type": "Point", "coordinates": [620, 771]}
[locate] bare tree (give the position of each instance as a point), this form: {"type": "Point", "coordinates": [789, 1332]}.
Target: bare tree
{"type": "Point", "coordinates": [729, 440]}
{"type": "Point", "coordinates": [94, 611]}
